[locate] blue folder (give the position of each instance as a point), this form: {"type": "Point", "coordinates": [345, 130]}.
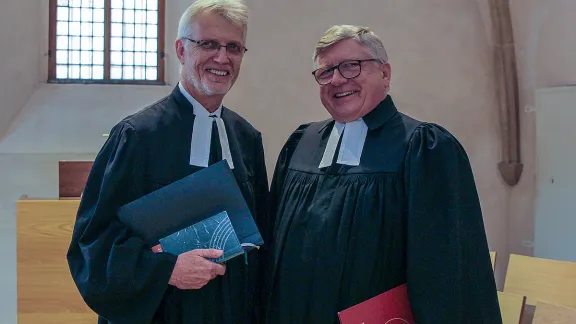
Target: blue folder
{"type": "Point", "coordinates": [201, 196]}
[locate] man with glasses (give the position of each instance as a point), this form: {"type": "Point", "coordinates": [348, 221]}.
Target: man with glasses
{"type": "Point", "coordinates": [372, 199]}
{"type": "Point", "coordinates": [120, 277]}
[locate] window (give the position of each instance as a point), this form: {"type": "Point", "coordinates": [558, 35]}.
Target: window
{"type": "Point", "coordinates": [106, 41]}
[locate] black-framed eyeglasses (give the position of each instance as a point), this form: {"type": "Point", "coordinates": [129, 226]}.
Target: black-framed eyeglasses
{"type": "Point", "coordinates": [212, 45]}
{"type": "Point", "coordinates": [348, 69]}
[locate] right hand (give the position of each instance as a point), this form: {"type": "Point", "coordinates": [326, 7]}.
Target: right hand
{"type": "Point", "coordinates": [193, 271]}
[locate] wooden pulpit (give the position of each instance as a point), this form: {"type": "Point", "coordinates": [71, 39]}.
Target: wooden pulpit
{"type": "Point", "coordinates": [46, 291]}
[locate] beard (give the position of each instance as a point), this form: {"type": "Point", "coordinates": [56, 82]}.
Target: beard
{"type": "Point", "coordinates": [207, 87]}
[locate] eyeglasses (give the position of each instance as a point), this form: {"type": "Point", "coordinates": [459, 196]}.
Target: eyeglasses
{"type": "Point", "coordinates": [212, 45]}
{"type": "Point", "coordinates": [348, 69]}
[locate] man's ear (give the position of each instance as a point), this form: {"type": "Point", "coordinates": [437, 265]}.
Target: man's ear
{"type": "Point", "coordinates": [386, 71]}
{"type": "Point", "coordinates": [179, 46]}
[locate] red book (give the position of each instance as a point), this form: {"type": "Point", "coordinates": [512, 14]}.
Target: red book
{"type": "Point", "coordinates": [390, 307]}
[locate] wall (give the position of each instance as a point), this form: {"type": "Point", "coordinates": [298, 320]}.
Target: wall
{"type": "Point", "coordinates": [20, 53]}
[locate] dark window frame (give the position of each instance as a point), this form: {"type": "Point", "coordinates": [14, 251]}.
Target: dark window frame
{"type": "Point", "coordinates": [160, 68]}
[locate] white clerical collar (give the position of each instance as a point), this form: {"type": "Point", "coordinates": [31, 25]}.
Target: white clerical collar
{"type": "Point", "coordinates": [202, 133]}
{"type": "Point", "coordinates": [351, 146]}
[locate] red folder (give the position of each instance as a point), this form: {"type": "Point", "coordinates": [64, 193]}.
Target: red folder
{"type": "Point", "coordinates": [390, 307]}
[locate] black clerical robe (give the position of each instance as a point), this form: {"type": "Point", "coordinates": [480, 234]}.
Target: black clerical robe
{"type": "Point", "coordinates": [118, 275]}
{"type": "Point", "coordinates": [409, 213]}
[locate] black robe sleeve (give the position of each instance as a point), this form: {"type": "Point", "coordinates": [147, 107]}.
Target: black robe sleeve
{"type": "Point", "coordinates": [118, 276]}
{"type": "Point", "coordinates": [449, 272]}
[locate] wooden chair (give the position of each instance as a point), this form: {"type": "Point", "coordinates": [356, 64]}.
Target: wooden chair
{"type": "Point", "coordinates": [541, 279]}
{"type": "Point", "coordinates": [511, 307]}
{"type": "Point", "coordinates": [553, 314]}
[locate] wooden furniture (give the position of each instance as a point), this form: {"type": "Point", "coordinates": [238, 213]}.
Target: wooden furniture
{"type": "Point", "coordinates": [541, 279]}
{"type": "Point", "coordinates": [511, 307]}
{"type": "Point", "coordinates": [553, 314]}
{"type": "Point", "coordinates": [46, 292]}
{"type": "Point", "coordinates": [72, 176]}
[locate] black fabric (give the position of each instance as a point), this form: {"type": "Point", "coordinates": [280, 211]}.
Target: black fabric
{"type": "Point", "coordinates": [215, 148]}
{"type": "Point", "coordinates": [409, 213]}
{"type": "Point", "coordinates": [118, 275]}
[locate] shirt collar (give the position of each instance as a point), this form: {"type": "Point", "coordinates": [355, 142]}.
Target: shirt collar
{"type": "Point", "coordinates": [199, 110]}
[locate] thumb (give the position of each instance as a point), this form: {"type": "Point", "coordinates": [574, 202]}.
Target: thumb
{"type": "Point", "coordinates": [208, 253]}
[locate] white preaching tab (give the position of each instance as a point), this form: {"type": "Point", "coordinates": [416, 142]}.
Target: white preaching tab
{"type": "Point", "coordinates": [354, 135]}
{"type": "Point", "coordinates": [202, 133]}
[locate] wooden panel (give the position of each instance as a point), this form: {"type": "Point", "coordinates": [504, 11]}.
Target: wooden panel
{"type": "Point", "coordinates": [72, 176]}
{"type": "Point", "coordinates": [549, 313]}
{"type": "Point", "coordinates": [46, 292]}
{"type": "Point", "coordinates": [542, 280]}
{"type": "Point", "coordinates": [511, 307]}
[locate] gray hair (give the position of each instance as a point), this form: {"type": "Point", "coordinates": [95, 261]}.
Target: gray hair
{"type": "Point", "coordinates": [364, 35]}
{"type": "Point", "coordinates": [234, 11]}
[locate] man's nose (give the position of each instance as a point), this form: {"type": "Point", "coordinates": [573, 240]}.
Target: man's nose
{"type": "Point", "coordinates": [338, 79]}
{"type": "Point", "coordinates": [222, 56]}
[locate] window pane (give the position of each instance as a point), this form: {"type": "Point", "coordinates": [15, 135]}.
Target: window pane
{"type": "Point", "coordinates": [151, 45]}
{"type": "Point", "coordinates": [139, 58]}
{"type": "Point", "coordinates": [139, 73]}
{"type": "Point", "coordinates": [139, 44]}
{"type": "Point", "coordinates": [128, 44]}
{"type": "Point", "coordinates": [61, 28]}
{"type": "Point", "coordinates": [62, 13]}
{"type": "Point", "coordinates": [116, 58]}
{"type": "Point", "coordinates": [86, 57]}
{"type": "Point", "coordinates": [75, 3]}
{"type": "Point", "coordinates": [99, 15]}
{"type": "Point", "coordinates": [85, 71]}
{"type": "Point", "coordinates": [87, 43]}
{"type": "Point", "coordinates": [86, 29]}
{"type": "Point", "coordinates": [152, 31]}
{"type": "Point", "coordinates": [98, 43]}
{"type": "Point", "coordinates": [140, 17]}
{"type": "Point", "coordinates": [140, 4]}
{"type": "Point", "coordinates": [61, 72]}
{"type": "Point", "coordinates": [128, 72]}
{"type": "Point", "coordinates": [129, 4]}
{"type": "Point", "coordinates": [152, 4]}
{"type": "Point", "coordinates": [151, 59]}
{"type": "Point", "coordinates": [74, 57]}
{"type": "Point", "coordinates": [116, 15]}
{"type": "Point", "coordinates": [86, 3]}
{"type": "Point", "coordinates": [61, 57]}
{"type": "Point", "coordinates": [75, 42]}
{"type": "Point", "coordinates": [140, 30]}
{"type": "Point", "coordinates": [74, 72]}
{"type": "Point", "coordinates": [63, 2]}
{"type": "Point", "coordinates": [116, 4]}
{"type": "Point", "coordinates": [87, 14]}
{"type": "Point", "coordinates": [128, 58]}
{"type": "Point", "coordinates": [151, 74]}
{"type": "Point", "coordinates": [128, 30]}
{"type": "Point", "coordinates": [75, 14]}
{"type": "Point", "coordinates": [115, 72]}
{"type": "Point", "coordinates": [99, 29]}
{"type": "Point", "coordinates": [98, 72]}
{"type": "Point", "coordinates": [98, 58]}
{"type": "Point", "coordinates": [62, 42]}
{"type": "Point", "coordinates": [128, 16]}
{"type": "Point", "coordinates": [116, 44]}
{"type": "Point", "coordinates": [116, 29]}
{"type": "Point", "coordinates": [152, 17]}
{"type": "Point", "coordinates": [74, 28]}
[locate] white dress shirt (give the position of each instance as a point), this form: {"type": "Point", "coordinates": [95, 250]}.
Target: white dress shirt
{"type": "Point", "coordinates": [202, 133]}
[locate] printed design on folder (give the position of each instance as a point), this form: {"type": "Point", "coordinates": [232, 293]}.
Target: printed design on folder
{"type": "Point", "coordinates": [215, 232]}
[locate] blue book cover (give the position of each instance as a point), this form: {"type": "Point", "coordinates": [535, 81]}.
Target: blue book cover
{"type": "Point", "coordinates": [189, 201]}
{"type": "Point", "coordinates": [214, 232]}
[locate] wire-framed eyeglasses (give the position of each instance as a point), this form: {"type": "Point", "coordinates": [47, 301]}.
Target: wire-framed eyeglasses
{"type": "Point", "coordinates": [213, 46]}
{"type": "Point", "coordinates": [348, 69]}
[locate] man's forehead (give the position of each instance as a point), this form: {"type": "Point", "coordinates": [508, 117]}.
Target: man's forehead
{"type": "Point", "coordinates": [213, 26]}
{"type": "Point", "coordinates": [342, 51]}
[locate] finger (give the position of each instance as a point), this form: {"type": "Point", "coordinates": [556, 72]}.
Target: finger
{"type": "Point", "coordinates": [157, 248]}
{"type": "Point", "coordinates": [220, 269]}
{"type": "Point", "coordinates": [207, 253]}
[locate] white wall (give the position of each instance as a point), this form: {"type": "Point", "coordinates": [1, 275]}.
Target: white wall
{"type": "Point", "coordinates": [20, 56]}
